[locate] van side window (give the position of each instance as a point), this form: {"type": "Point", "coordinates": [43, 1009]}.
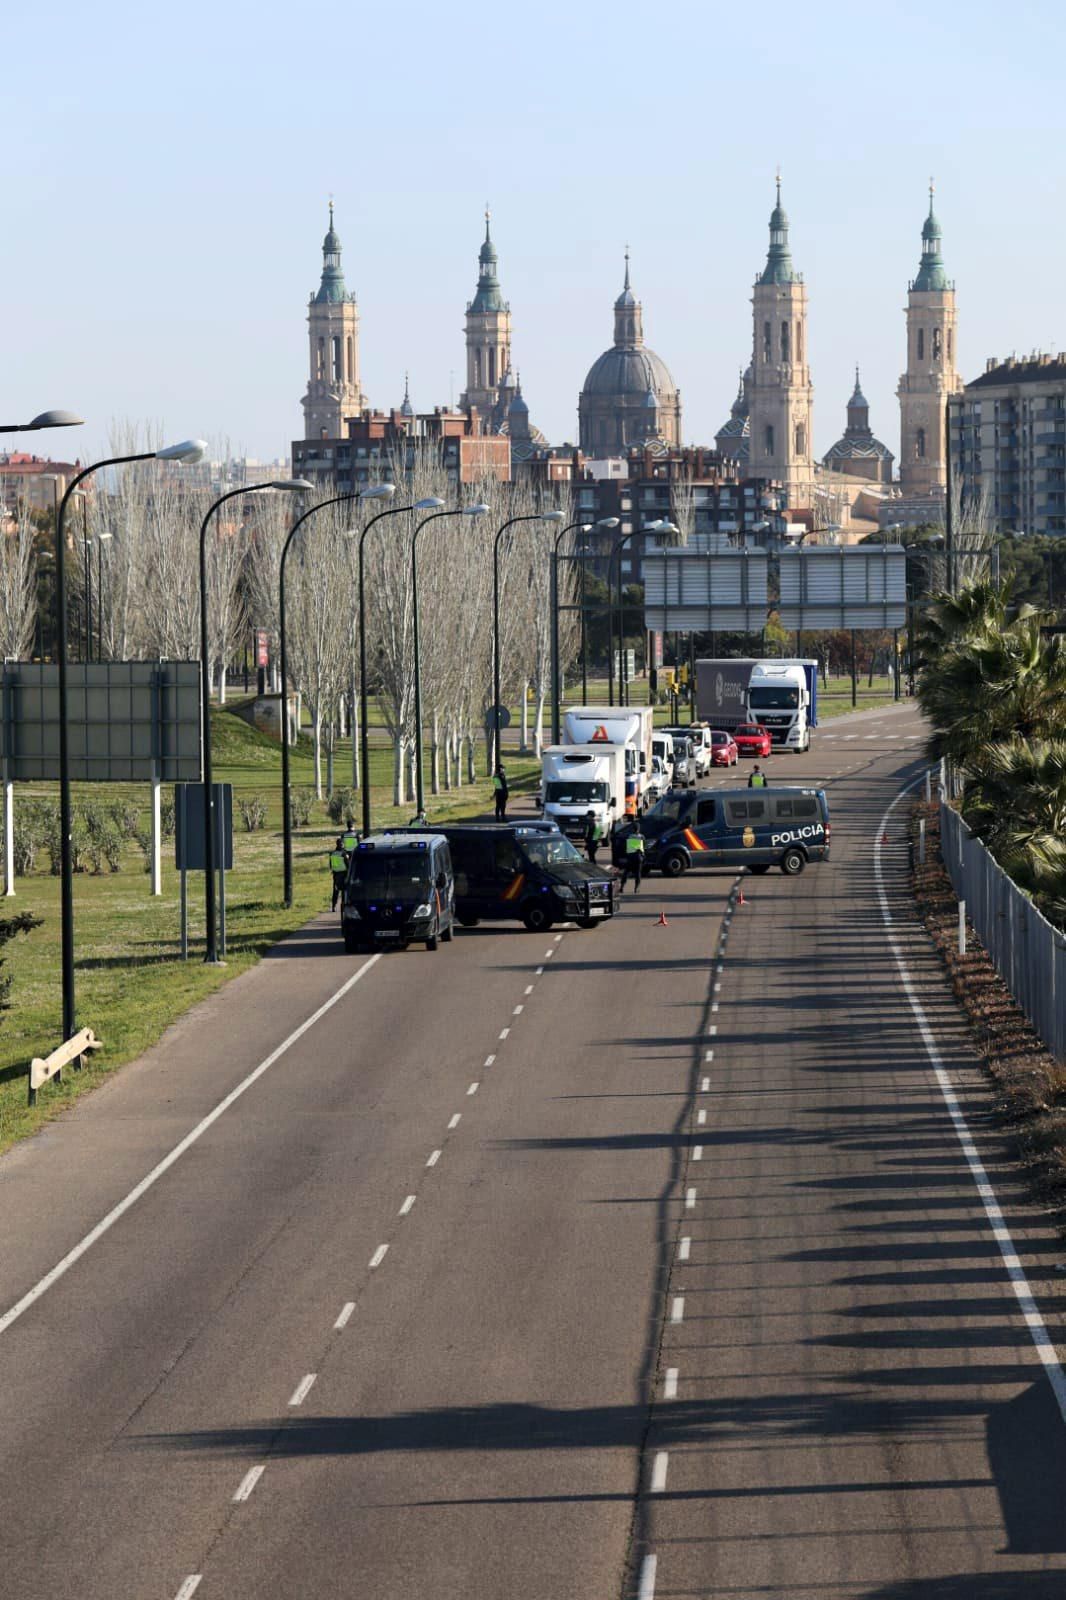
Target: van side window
{"type": "Point", "coordinates": [705, 813]}
{"type": "Point", "coordinates": [805, 808]}
{"type": "Point", "coordinates": [506, 856]}
{"type": "Point", "coordinates": [783, 808]}
{"type": "Point", "coordinates": [736, 810]}
{"type": "Point", "coordinates": [756, 808]}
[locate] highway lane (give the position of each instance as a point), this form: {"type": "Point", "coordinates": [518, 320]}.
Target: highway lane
{"type": "Point", "coordinates": [496, 1414]}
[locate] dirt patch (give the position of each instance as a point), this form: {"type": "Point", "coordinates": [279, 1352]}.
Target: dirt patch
{"type": "Point", "coordinates": [1030, 1084]}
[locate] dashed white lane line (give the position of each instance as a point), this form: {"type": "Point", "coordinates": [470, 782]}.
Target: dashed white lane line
{"type": "Point", "coordinates": [677, 1310]}
{"type": "Point", "coordinates": [548, 954]}
{"type": "Point", "coordinates": [670, 1384]}
{"type": "Point", "coordinates": [690, 1199]}
{"type": "Point", "coordinates": [408, 1203]}
{"type": "Point", "coordinates": [647, 1578]}
{"type": "Point", "coordinates": [697, 1153]}
{"type": "Point", "coordinates": [454, 1122]}
{"type": "Point", "coordinates": [714, 1006]}
{"type": "Point", "coordinates": [558, 936]}
{"type": "Point", "coordinates": [708, 1055]}
{"type": "Point", "coordinates": [529, 988]}
{"type": "Point", "coordinates": [683, 1248]}
{"type": "Point", "coordinates": [718, 988]}
{"type": "Point", "coordinates": [244, 1489]}
{"type": "Point", "coordinates": [379, 1255]}
{"type": "Point", "coordinates": [701, 1117]}
{"type": "Point", "coordinates": [345, 1316]}
{"type": "Point", "coordinates": [659, 1471]}
{"type": "Point", "coordinates": [705, 1084]}
{"type": "Point", "coordinates": [713, 1029]}
{"type": "Point", "coordinates": [178, 1151]}
{"type": "Point", "coordinates": [190, 1586]}
{"type": "Point", "coordinates": [518, 1010]}
{"type": "Point", "coordinates": [303, 1389]}
{"type": "Point", "coordinates": [474, 1087]}
{"type": "Point", "coordinates": [504, 1033]}
{"type": "Point", "coordinates": [433, 1159]}
{"type": "Point", "coordinates": [539, 972]}
{"type": "Point", "coordinates": [489, 1060]}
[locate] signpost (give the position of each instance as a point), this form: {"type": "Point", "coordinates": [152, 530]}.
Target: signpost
{"type": "Point", "coordinates": [189, 852]}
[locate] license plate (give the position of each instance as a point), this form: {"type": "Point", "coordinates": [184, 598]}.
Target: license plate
{"type": "Point", "coordinates": [387, 933]}
{"type": "Point", "coordinates": [597, 911]}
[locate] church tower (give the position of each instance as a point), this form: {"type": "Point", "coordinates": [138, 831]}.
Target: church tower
{"type": "Point", "coordinates": [780, 392]}
{"type": "Point", "coordinates": [931, 374]}
{"type": "Point", "coordinates": [333, 392]}
{"type": "Point", "coordinates": [488, 334]}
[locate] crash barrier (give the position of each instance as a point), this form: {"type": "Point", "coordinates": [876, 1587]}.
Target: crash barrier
{"type": "Point", "coordinates": [70, 1052]}
{"type": "Point", "coordinates": [1027, 952]}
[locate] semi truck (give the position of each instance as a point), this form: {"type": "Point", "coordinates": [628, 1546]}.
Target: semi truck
{"type": "Point", "coordinates": [782, 695]}
{"type": "Point", "coordinates": [630, 726]}
{"type": "Point", "coordinates": [577, 779]}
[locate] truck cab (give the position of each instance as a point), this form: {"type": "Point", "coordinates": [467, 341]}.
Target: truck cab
{"type": "Point", "coordinates": [779, 697]}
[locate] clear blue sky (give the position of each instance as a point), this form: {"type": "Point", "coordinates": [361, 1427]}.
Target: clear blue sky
{"type": "Point", "coordinates": [168, 170]}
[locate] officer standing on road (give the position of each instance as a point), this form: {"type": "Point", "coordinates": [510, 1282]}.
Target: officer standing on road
{"type": "Point", "coordinates": [757, 778]}
{"type": "Point", "coordinates": [348, 840]}
{"type": "Point", "coordinates": [338, 865]}
{"type": "Point", "coordinates": [500, 793]}
{"type": "Point", "coordinates": [593, 835]}
{"type": "Point", "coordinates": [633, 865]}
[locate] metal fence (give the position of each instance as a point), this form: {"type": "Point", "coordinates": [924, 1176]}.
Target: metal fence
{"type": "Point", "coordinates": [1027, 952]}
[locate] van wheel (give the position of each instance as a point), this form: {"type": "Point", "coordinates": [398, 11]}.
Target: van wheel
{"type": "Point", "coordinates": [536, 917]}
{"type": "Point", "coordinates": [673, 864]}
{"type": "Point", "coordinates": [469, 922]}
{"type": "Point", "coordinates": [759, 870]}
{"type": "Point", "coordinates": [446, 934]}
{"type": "Point", "coordinates": [793, 861]}
{"type": "Point", "coordinates": [431, 943]}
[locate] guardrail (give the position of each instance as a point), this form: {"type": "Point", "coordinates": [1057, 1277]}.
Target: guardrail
{"type": "Point", "coordinates": [1027, 952]}
{"type": "Point", "coordinates": [70, 1052]}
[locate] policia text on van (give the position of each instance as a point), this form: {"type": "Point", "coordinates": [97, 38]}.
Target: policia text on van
{"type": "Point", "coordinates": [756, 828]}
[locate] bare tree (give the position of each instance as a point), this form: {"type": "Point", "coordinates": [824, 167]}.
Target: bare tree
{"type": "Point", "coordinates": [18, 588]}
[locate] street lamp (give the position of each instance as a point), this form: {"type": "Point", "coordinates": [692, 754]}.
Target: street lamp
{"type": "Point", "coordinates": [537, 516]}
{"type": "Point", "coordinates": [190, 450]}
{"type": "Point", "coordinates": [660, 525]}
{"type": "Point", "coordinates": [285, 485]}
{"type": "Point", "coordinates": [55, 419]}
{"type": "Point", "coordinates": [286, 826]}
{"type": "Point", "coordinates": [586, 528]}
{"type": "Point", "coordinates": [102, 537]}
{"type": "Point", "coordinates": [479, 510]}
{"type": "Point", "coordinates": [385, 491]}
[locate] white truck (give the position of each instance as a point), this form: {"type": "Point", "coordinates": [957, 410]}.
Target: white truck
{"type": "Point", "coordinates": [631, 726]}
{"type": "Point", "coordinates": [662, 745]}
{"type": "Point", "coordinates": [783, 696]}
{"type": "Point", "coordinates": [577, 779]}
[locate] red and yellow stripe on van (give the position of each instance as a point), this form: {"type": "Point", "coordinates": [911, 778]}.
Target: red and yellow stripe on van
{"type": "Point", "coordinates": [514, 888]}
{"type": "Point", "coordinates": [693, 842]}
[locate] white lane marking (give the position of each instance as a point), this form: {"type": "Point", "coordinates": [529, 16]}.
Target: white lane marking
{"type": "Point", "coordinates": [303, 1389]}
{"type": "Point", "coordinates": [690, 1199]}
{"type": "Point", "coordinates": [454, 1123]}
{"type": "Point", "coordinates": [705, 1084]}
{"type": "Point", "coordinates": [539, 972]}
{"type": "Point", "coordinates": [701, 1117]}
{"type": "Point", "coordinates": [190, 1586]}
{"type": "Point", "coordinates": [718, 988]}
{"type": "Point", "coordinates": [647, 1578]}
{"type": "Point", "coordinates": [849, 736]}
{"type": "Point", "coordinates": [178, 1151]}
{"type": "Point", "coordinates": [346, 1312]}
{"type": "Point", "coordinates": [408, 1203]}
{"type": "Point", "coordinates": [518, 1010]}
{"type": "Point", "coordinates": [712, 1030]}
{"type": "Point", "coordinates": [683, 1248]}
{"type": "Point", "coordinates": [489, 1060]}
{"type": "Point", "coordinates": [670, 1384]}
{"type": "Point", "coordinates": [529, 988]}
{"type": "Point", "coordinates": [658, 1471]}
{"type": "Point", "coordinates": [246, 1485]}
{"type": "Point", "coordinates": [548, 954]}
{"type": "Point", "coordinates": [504, 1033]}
{"type": "Point", "coordinates": [379, 1255]}
{"type": "Point", "coordinates": [434, 1158]}
{"type": "Point", "coordinates": [697, 1154]}
{"type": "Point", "coordinates": [709, 1055]}
{"type": "Point", "coordinates": [558, 936]}
{"type": "Point", "coordinates": [1034, 1321]}
{"type": "Point", "coordinates": [474, 1087]}
{"type": "Point", "coordinates": [677, 1310]}
{"type": "Point", "coordinates": [714, 1007]}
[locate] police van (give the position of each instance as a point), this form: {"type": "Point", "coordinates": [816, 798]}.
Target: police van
{"type": "Point", "coordinates": [400, 890]}
{"type": "Point", "coordinates": [525, 872]}
{"type": "Point", "coordinates": [753, 828]}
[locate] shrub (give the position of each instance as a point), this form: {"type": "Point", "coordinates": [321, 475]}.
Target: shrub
{"type": "Point", "coordinates": [9, 927]}
{"type": "Point", "coordinates": [300, 804]}
{"type": "Point", "coordinates": [341, 806]}
{"type": "Point", "coordinates": [168, 815]}
{"type": "Point", "coordinates": [253, 813]}
{"type": "Point", "coordinates": [126, 818]}
{"type": "Point", "coordinates": [27, 843]}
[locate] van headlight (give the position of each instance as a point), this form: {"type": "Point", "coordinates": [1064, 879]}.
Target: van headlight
{"type": "Point", "coordinates": [351, 914]}
{"type": "Point", "coordinates": [423, 910]}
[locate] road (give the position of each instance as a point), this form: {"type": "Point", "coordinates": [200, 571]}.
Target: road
{"type": "Point", "coordinates": [637, 1262]}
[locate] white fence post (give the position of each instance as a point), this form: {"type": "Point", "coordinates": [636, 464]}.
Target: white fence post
{"type": "Point", "coordinates": [157, 831]}
{"type": "Point", "coordinates": [921, 836]}
{"type": "Point", "coordinates": [962, 927]}
{"type": "Point", "coordinates": [9, 836]}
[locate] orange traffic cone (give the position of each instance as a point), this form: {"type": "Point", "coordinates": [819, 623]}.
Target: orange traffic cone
{"type": "Point", "coordinates": [884, 836]}
{"type": "Point", "coordinates": [740, 898]}
{"type": "Point", "coordinates": [662, 922]}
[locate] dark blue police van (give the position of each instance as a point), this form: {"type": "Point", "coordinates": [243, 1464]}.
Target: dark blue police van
{"type": "Point", "coordinates": [753, 828]}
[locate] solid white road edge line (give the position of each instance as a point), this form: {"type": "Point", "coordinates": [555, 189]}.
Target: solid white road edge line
{"type": "Point", "coordinates": [346, 1311]}
{"type": "Point", "coordinates": [647, 1578]}
{"type": "Point", "coordinates": [303, 1389]}
{"type": "Point", "coordinates": [1045, 1348]}
{"type": "Point", "coordinates": [658, 1471]}
{"type": "Point", "coordinates": [176, 1154]}
{"type": "Point", "coordinates": [248, 1482]}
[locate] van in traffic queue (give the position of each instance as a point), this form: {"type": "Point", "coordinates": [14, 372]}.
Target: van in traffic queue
{"type": "Point", "coordinates": [753, 828]}
{"type": "Point", "coordinates": [399, 891]}
{"type": "Point", "coordinates": [526, 872]}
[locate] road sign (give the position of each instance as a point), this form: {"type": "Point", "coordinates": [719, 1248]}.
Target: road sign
{"type": "Point", "coordinates": [705, 591]}
{"type": "Point", "coordinates": [189, 853]}
{"type": "Point", "coordinates": [262, 648]}
{"type": "Point", "coordinates": [127, 721]}
{"type": "Point", "coordinates": [832, 586]}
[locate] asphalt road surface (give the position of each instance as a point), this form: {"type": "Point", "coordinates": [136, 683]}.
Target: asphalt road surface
{"type": "Point", "coordinates": [643, 1261]}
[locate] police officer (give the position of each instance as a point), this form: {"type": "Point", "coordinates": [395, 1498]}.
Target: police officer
{"type": "Point", "coordinates": [593, 835]}
{"type": "Point", "coordinates": [757, 778]}
{"type": "Point", "coordinates": [500, 792]}
{"type": "Point", "coordinates": [633, 865]}
{"type": "Point", "coordinates": [348, 840]}
{"type": "Point", "coordinates": [338, 865]}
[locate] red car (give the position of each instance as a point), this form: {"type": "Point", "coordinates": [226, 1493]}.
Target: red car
{"type": "Point", "coordinates": [724, 752]}
{"type": "Point", "coordinates": [752, 739]}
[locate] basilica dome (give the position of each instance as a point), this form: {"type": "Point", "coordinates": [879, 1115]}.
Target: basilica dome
{"type": "Point", "coordinates": [629, 397]}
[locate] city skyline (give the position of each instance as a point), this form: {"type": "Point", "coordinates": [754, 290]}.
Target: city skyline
{"type": "Point", "coordinates": [180, 298]}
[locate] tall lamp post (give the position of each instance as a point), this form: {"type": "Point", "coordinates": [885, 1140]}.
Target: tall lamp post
{"type": "Point", "coordinates": [190, 450]}
{"type": "Point", "coordinates": [660, 525]}
{"type": "Point", "coordinates": [479, 510]}
{"type": "Point", "coordinates": [286, 485]}
{"type": "Point", "coordinates": [286, 826]}
{"type": "Point", "coordinates": [497, 709]}
{"type": "Point", "coordinates": [586, 528]}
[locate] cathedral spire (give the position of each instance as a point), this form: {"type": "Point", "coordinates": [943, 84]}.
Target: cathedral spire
{"type": "Point", "coordinates": [778, 267]}
{"type": "Point", "coordinates": [331, 288]}
{"type": "Point", "coordinates": [487, 296]}
{"type": "Point", "coordinates": [931, 274]}
{"type": "Point", "coordinates": [628, 317]}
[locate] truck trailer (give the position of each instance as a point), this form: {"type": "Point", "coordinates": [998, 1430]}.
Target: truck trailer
{"type": "Point", "coordinates": [630, 726]}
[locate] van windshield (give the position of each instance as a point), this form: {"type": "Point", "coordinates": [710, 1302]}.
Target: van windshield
{"type": "Point", "coordinates": [390, 876]}
{"type": "Point", "coordinates": [773, 699]}
{"type": "Point", "coordinates": [668, 811]}
{"type": "Point", "coordinates": [549, 852]}
{"type": "Point", "coordinates": [574, 794]}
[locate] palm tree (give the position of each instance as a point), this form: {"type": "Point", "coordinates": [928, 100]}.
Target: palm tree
{"type": "Point", "coordinates": [949, 618]}
{"type": "Point", "coordinates": [1015, 801]}
{"type": "Point", "coordinates": [995, 683]}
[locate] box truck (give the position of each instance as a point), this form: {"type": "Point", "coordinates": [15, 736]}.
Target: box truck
{"type": "Point", "coordinates": [630, 726]}
{"type": "Point", "coordinates": [782, 695]}
{"type": "Point", "coordinates": [577, 779]}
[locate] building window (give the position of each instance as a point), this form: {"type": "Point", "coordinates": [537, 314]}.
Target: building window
{"type": "Point", "coordinates": [785, 353]}
{"type": "Point", "coordinates": [921, 344]}
{"type": "Point", "coordinates": [768, 440]}
{"type": "Point", "coordinates": [320, 360]}
{"type": "Point", "coordinates": [492, 368]}
{"type": "Point", "coordinates": [351, 363]}
{"type": "Point", "coordinates": [799, 341]}
{"type": "Point", "coordinates": [950, 355]}
{"type": "Point", "coordinates": [919, 445]}
{"type": "Point", "coordinates": [335, 372]}
{"type": "Point", "coordinates": [477, 369]}
{"type": "Point", "coordinates": [767, 351]}
{"type": "Point", "coordinates": [801, 439]}
{"type": "Point", "coordinates": [936, 344]}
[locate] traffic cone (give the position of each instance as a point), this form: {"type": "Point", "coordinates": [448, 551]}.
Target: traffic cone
{"type": "Point", "coordinates": [662, 922]}
{"type": "Point", "coordinates": [884, 836]}
{"type": "Point", "coordinates": [740, 898]}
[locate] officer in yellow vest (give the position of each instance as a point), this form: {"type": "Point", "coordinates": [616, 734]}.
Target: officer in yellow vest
{"type": "Point", "coordinates": [757, 778]}
{"type": "Point", "coordinates": [633, 865]}
{"type": "Point", "coordinates": [338, 865]}
{"type": "Point", "coordinates": [348, 841]}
